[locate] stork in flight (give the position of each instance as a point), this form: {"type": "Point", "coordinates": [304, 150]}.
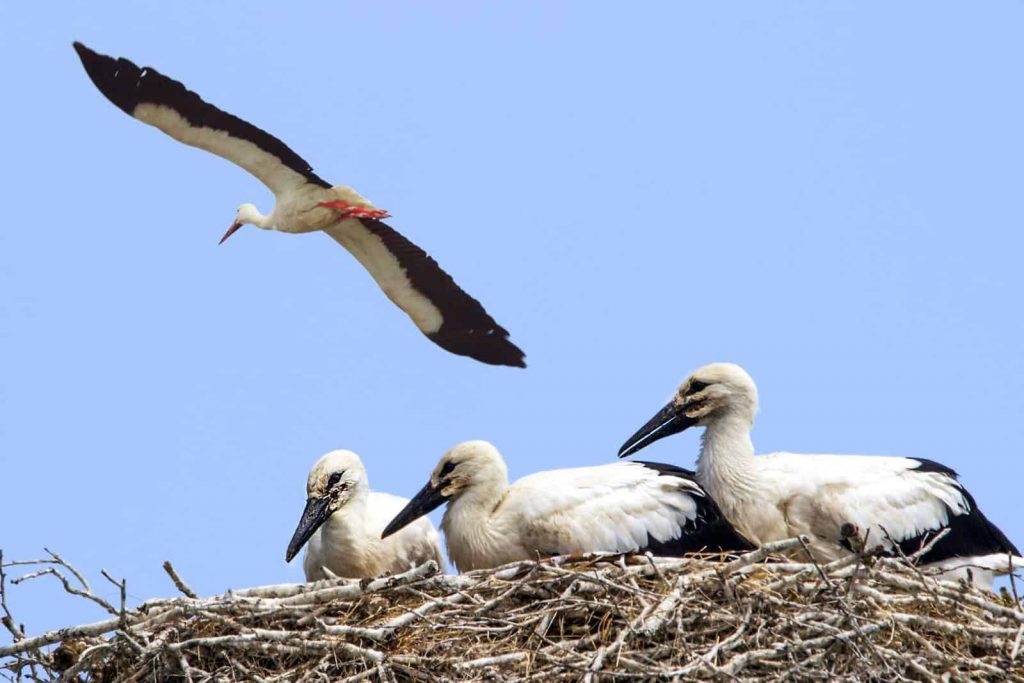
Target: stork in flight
{"type": "Point", "coordinates": [891, 502]}
{"type": "Point", "coordinates": [617, 508]}
{"type": "Point", "coordinates": [343, 520]}
{"type": "Point", "coordinates": [414, 281]}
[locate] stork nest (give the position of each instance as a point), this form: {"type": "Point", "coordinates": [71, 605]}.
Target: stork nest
{"type": "Point", "coordinates": [755, 617]}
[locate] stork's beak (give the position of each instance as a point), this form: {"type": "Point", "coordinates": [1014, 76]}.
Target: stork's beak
{"type": "Point", "coordinates": [231, 231]}
{"type": "Point", "coordinates": [316, 513]}
{"type": "Point", "coordinates": [671, 419]}
{"type": "Point", "coordinates": [429, 498]}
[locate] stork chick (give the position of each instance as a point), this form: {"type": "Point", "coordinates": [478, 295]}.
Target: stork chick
{"type": "Point", "coordinates": [889, 501]}
{"type": "Point", "coordinates": [618, 508]}
{"type": "Point", "coordinates": [343, 520]}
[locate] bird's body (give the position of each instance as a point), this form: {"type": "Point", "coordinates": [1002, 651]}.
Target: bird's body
{"type": "Point", "coordinates": [836, 500]}
{"type": "Point", "coordinates": [349, 544]}
{"type": "Point", "coordinates": [300, 210]}
{"type": "Point", "coordinates": [607, 508]}
{"type": "Point", "coordinates": [305, 202]}
{"type": "Point", "coordinates": [343, 522]}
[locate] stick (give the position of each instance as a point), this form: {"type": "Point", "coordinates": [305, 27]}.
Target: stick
{"type": "Point", "coordinates": [178, 583]}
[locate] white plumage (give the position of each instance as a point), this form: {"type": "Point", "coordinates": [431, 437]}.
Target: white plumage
{"type": "Point", "coordinates": [888, 501]}
{"type": "Point", "coordinates": [343, 521]}
{"type": "Point", "coordinates": [413, 281]}
{"type": "Point", "coordinates": [621, 507]}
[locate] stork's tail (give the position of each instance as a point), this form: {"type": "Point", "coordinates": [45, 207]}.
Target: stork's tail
{"type": "Point", "coordinates": [979, 570]}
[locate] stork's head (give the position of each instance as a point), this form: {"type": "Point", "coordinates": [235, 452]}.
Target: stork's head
{"type": "Point", "coordinates": [335, 479]}
{"type": "Point", "coordinates": [470, 465]}
{"type": "Point", "coordinates": [711, 393]}
{"type": "Point", "coordinates": [247, 214]}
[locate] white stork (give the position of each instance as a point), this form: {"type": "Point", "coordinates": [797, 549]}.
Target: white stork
{"type": "Point", "coordinates": [887, 501]}
{"type": "Point", "coordinates": [621, 507]}
{"type": "Point", "coordinates": [448, 316]}
{"type": "Point", "coordinates": [343, 521]}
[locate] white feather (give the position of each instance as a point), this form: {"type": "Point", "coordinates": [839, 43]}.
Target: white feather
{"type": "Point", "coordinates": [266, 167]}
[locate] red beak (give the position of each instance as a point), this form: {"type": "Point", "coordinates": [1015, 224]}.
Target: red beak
{"type": "Point", "coordinates": [231, 231]}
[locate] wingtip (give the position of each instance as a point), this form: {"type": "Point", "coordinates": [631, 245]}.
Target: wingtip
{"type": "Point", "coordinates": [512, 355]}
{"type": "Point", "coordinates": [517, 359]}
{"type": "Point", "coordinates": [116, 79]}
{"type": "Point", "coordinates": [500, 357]}
{"type": "Point", "coordinates": [84, 52]}
{"type": "Point", "coordinates": [492, 349]}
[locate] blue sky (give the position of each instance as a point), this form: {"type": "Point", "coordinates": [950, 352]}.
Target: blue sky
{"type": "Point", "coordinates": [826, 193]}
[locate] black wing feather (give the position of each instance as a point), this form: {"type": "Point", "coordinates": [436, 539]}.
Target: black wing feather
{"type": "Point", "coordinates": [970, 534]}
{"type": "Point", "coordinates": [710, 532]}
{"type": "Point", "coordinates": [466, 328]}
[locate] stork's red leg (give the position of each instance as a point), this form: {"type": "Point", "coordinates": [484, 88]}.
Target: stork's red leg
{"type": "Point", "coordinates": [353, 211]}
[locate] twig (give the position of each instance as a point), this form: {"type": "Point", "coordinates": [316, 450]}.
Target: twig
{"type": "Point", "coordinates": [86, 593]}
{"type": "Point", "coordinates": [178, 582]}
{"type": "Point", "coordinates": [8, 619]}
{"type": "Point", "coordinates": [122, 586]}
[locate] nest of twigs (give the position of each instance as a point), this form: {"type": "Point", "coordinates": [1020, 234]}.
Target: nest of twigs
{"type": "Point", "coordinates": [594, 618]}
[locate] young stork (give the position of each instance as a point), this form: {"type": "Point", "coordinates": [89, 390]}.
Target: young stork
{"type": "Point", "coordinates": [343, 520]}
{"type": "Point", "coordinates": [887, 501]}
{"type": "Point", "coordinates": [448, 316]}
{"type": "Point", "coordinates": [621, 507]}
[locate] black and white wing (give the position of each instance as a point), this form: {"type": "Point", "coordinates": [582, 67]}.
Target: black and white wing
{"type": "Point", "coordinates": [621, 507]}
{"type": "Point", "coordinates": [149, 96]}
{"type": "Point", "coordinates": [891, 501]}
{"type": "Point", "coordinates": [414, 281]}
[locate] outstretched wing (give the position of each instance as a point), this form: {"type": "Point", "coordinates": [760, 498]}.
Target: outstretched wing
{"type": "Point", "coordinates": [445, 313]}
{"type": "Point", "coordinates": [621, 507]}
{"type": "Point", "coordinates": [149, 96]}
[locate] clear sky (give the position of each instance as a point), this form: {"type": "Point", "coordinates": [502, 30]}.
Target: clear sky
{"type": "Point", "coordinates": [826, 193]}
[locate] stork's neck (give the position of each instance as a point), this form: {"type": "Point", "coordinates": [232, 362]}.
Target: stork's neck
{"type": "Point", "coordinates": [469, 525]}
{"type": "Point", "coordinates": [248, 214]}
{"type": "Point", "coordinates": [726, 466]}
{"type": "Point", "coordinates": [347, 528]}
{"type": "Point", "coordinates": [265, 222]}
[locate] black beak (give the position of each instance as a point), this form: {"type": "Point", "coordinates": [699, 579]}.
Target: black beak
{"type": "Point", "coordinates": [670, 420]}
{"type": "Point", "coordinates": [429, 498]}
{"type": "Point", "coordinates": [316, 513]}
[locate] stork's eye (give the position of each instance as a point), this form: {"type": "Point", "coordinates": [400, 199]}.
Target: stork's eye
{"type": "Point", "coordinates": [334, 479]}
{"type": "Point", "coordinates": [445, 471]}
{"type": "Point", "coordinates": [697, 387]}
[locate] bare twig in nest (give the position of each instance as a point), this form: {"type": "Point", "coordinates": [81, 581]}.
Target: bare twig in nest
{"type": "Point", "coordinates": [122, 587]}
{"type": "Point", "coordinates": [84, 592]}
{"type": "Point", "coordinates": [178, 583]}
{"type": "Point", "coordinates": [926, 548]}
{"type": "Point", "coordinates": [597, 617]}
{"type": "Point", "coordinates": [7, 619]}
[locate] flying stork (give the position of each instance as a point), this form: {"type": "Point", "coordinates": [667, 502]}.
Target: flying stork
{"type": "Point", "coordinates": [836, 500]}
{"type": "Point", "coordinates": [621, 507]}
{"type": "Point", "coordinates": [441, 310]}
{"type": "Point", "coordinates": [343, 520]}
